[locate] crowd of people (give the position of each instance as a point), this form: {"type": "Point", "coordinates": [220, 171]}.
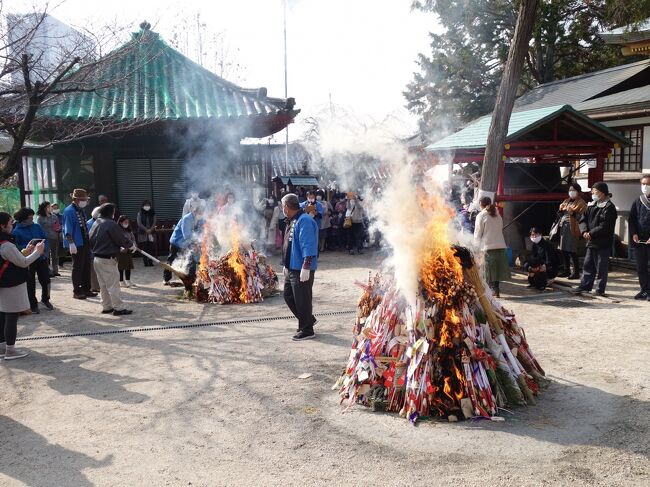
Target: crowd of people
{"type": "Point", "coordinates": [593, 222]}
{"type": "Point", "coordinates": [342, 219]}
{"type": "Point", "coordinates": [299, 226]}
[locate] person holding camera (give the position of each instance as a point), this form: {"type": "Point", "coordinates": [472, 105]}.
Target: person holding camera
{"type": "Point", "coordinates": [26, 232]}
{"type": "Point", "coordinates": [13, 285]}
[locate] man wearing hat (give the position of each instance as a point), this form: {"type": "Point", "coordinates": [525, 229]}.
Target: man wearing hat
{"type": "Point", "coordinates": [75, 233]}
{"type": "Point", "coordinates": [597, 227]}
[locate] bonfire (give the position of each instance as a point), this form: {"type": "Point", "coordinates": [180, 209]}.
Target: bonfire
{"type": "Point", "coordinates": [452, 351]}
{"type": "Point", "coordinates": [241, 275]}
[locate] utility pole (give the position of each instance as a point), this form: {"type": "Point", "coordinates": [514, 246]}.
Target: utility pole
{"type": "Point", "coordinates": [506, 98]}
{"type": "Point", "coordinates": [286, 94]}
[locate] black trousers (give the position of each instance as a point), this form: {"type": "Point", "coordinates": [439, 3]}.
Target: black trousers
{"type": "Point", "coordinates": [148, 247]}
{"type": "Point", "coordinates": [81, 263]}
{"type": "Point", "coordinates": [538, 280]}
{"type": "Point", "coordinates": [298, 296]}
{"type": "Point", "coordinates": [595, 269]}
{"type": "Point", "coordinates": [40, 269]}
{"type": "Point", "coordinates": [355, 236]}
{"type": "Point", "coordinates": [8, 328]}
{"type": "Point", "coordinates": [173, 253]}
{"type": "Point", "coordinates": [641, 253]}
{"type": "Point", "coordinates": [571, 257]}
{"type": "Point", "coordinates": [125, 272]}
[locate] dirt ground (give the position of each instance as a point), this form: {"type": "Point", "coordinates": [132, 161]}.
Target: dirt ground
{"type": "Point", "coordinates": [224, 405]}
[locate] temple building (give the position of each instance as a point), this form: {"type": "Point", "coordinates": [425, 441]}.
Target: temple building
{"type": "Point", "coordinates": [154, 125]}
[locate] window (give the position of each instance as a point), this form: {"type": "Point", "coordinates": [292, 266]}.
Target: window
{"type": "Point", "coordinates": [627, 159]}
{"type": "Point", "coordinates": [39, 180]}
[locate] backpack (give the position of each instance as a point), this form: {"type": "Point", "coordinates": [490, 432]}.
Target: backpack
{"type": "Point", "coordinates": [11, 275]}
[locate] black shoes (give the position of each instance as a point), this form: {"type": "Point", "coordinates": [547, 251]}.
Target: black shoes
{"type": "Point", "coordinates": [48, 305]}
{"type": "Point", "coordinates": [107, 311]}
{"type": "Point", "coordinates": [574, 276]}
{"type": "Point", "coordinates": [79, 296]}
{"type": "Point", "coordinates": [304, 335]}
{"type": "Point", "coordinates": [122, 312]}
{"type": "Point", "coordinates": [35, 310]}
{"type": "Point", "coordinates": [90, 294]}
{"type": "Point", "coordinates": [641, 295]}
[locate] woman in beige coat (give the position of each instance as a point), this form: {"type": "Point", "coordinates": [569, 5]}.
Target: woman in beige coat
{"type": "Point", "coordinates": [488, 236]}
{"type": "Point", "coordinates": [13, 287]}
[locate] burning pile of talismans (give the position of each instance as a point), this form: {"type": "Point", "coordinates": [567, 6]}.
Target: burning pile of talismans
{"type": "Point", "coordinates": [240, 276]}
{"type": "Point", "coordinates": [453, 352]}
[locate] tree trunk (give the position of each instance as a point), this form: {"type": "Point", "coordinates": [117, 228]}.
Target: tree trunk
{"type": "Point", "coordinates": [506, 97]}
{"type": "Point", "coordinates": [13, 158]}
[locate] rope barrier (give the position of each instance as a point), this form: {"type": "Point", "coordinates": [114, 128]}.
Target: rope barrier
{"type": "Point", "coordinates": [177, 326]}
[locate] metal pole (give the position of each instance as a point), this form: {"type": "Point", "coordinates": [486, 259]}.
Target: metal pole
{"type": "Point", "coordinates": [286, 94]}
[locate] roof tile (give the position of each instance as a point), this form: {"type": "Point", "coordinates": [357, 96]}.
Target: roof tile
{"type": "Point", "coordinates": [146, 79]}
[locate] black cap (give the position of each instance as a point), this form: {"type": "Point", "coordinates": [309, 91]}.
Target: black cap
{"type": "Point", "coordinates": [602, 187]}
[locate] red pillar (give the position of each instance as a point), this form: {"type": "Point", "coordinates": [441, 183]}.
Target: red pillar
{"type": "Point", "coordinates": [500, 184]}
{"type": "Point", "coordinates": [597, 173]}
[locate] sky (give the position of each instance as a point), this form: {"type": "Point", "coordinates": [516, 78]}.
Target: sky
{"type": "Point", "coordinates": [358, 54]}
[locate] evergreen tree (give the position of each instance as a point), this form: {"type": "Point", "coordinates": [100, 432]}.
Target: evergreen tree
{"type": "Point", "coordinates": [458, 81]}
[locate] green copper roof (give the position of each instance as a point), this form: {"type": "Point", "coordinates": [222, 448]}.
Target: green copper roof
{"type": "Point", "coordinates": [146, 79]}
{"type": "Point", "coordinates": [475, 135]}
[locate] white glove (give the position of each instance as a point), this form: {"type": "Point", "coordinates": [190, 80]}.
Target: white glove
{"type": "Point", "coordinates": [304, 275]}
{"type": "Point", "coordinates": [285, 271]}
{"type": "Point", "coordinates": [73, 249]}
{"type": "Point", "coordinates": [133, 248]}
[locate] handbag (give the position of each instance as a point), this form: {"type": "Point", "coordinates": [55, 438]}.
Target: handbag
{"type": "Point", "coordinates": [348, 222]}
{"type": "Point", "coordinates": [554, 233]}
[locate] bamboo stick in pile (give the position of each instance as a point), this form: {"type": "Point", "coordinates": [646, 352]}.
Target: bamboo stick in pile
{"type": "Point", "coordinates": [475, 279]}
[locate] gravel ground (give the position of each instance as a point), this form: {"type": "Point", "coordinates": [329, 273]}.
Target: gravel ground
{"type": "Point", "coordinates": [224, 405]}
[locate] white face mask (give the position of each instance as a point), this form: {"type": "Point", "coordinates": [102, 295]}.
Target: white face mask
{"type": "Point", "coordinates": [82, 204]}
{"type": "Point", "coordinates": [645, 189]}
{"type": "Point", "coordinates": [595, 197]}
{"type": "Point", "coordinates": [319, 198]}
{"type": "Point", "coordinates": [573, 194]}
{"type": "Point", "coordinates": [146, 208]}
{"type": "Point", "coordinates": [311, 200]}
{"type": "Point", "coordinates": [284, 212]}
{"type": "Point", "coordinates": [125, 225]}
{"type": "Point", "coordinates": [536, 239]}
{"type": "Point", "coordinates": [56, 211]}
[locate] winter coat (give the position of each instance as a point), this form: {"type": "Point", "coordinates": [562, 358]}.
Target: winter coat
{"type": "Point", "coordinates": [146, 220]}
{"type": "Point", "coordinates": [25, 233]}
{"type": "Point", "coordinates": [599, 220]}
{"type": "Point", "coordinates": [574, 209]}
{"type": "Point", "coordinates": [50, 225]}
{"type": "Point", "coordinates": [488, 231]}
{"type": "Point", "coordinates": [639, 219]}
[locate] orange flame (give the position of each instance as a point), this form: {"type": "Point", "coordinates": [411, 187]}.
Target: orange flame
{"type": "Point", "coordinates": [235, 261]}
{"type": "Point", "coordinates": [439, 267]}
{"type": "Point", "coordinates": [205, 247]}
